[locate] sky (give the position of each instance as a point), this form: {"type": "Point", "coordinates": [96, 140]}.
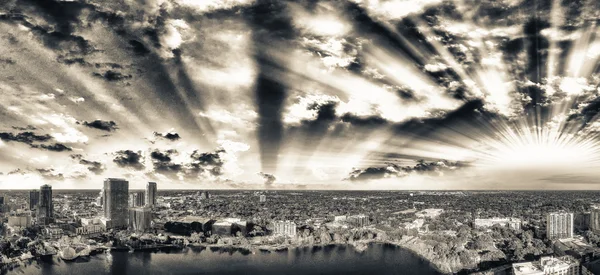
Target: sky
{"type": "Point", "coordinates": [307, 94]}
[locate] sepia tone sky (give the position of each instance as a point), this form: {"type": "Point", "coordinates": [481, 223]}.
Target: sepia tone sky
{"type": "Point", "coordinates": [357, 94]}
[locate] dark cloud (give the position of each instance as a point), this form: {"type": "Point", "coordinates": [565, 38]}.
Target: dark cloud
{"type": "Point", "coordinates": [113, 75]}
{"type": "Point", "coordinates": [50, 173]}
{"type": "Point", "coordinates": [269, 178]}
{"type": "Point", "coordinates": [103, 125]}
{"type": "Point", "coordinates": [93, 166]}
{"type": "Point", "coordinates": [138, 47]}
{"type": "Point", "coordinates": [204, 159]}
{"type": "Point", "coordinates": [24, 137]}
{"type": "Point", "coordinates": [162, 161]}
{"type": "Point", "coordinates": [129, 159]}
{"type": "Point", "coordinates": [26, 128]}
{"type": "Point", "coordinates": [56, 147]}
{"type": "Point", "coordinates": [162, 156]}
{"type": "Point", "coordinates": [169, 135]}
{"type": "Point", "coordinates": [370, 121]}
{"type": "Point", "coordinates": [392, 170]}
{"type": "Point", "coordinates": [33, 140]}
{"type": "Point", "coordinates": [586, 112]}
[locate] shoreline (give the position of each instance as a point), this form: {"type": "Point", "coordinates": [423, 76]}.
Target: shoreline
{"type": "Point", "coordinates": [358, 246]}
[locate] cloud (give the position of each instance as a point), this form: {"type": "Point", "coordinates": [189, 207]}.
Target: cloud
{"type": "Point", "coordinates": [171, 135]}
{"type": "Point", "coordinates": [207, 6]}
{"type": "Point", "coordinates": [395, 9]}
{"type": "Point", "coordinates": [50, 173]}
{"type": "Point", "coordinates": [112, 75]}
{"type": "Point", "coordinates": [103, 125]}
{"type": "Point", "coordinates": [269, 178]}
{"type": "Point", "coordinates": [24, 137]}
{"type": "Point", "coordinates": [93, 166]}
{"type": "Point", "coordinates": [162, 161]}
{"type": "Point", "coordinates": [129, 159]}
{"type": "Point", "coordinates": [392, 170]}
{"type": "Point", "coordinates": [56, 147]}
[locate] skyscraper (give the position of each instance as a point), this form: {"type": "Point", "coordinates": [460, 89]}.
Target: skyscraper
{"type": "Point", "coordinates": [151, 194]}
{"type": "Point", "coordinates": [115, 201]}
{"type": "Point", "coordinates": [595, 220]}
{"type": "Point", "coordinates": [559, 225]}
{"type": "Point", "coordinates": [263, 198]}
{"type": "Point", "coordinates": [34, 199]}
{"type": "Point", "coordinates": [45, 206]}
{"type": "Point", "coordinates": [136, 199]}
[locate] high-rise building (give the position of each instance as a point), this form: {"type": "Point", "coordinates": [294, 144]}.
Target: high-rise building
{"type": "Point", "coordinates": [34, 199]}
{"type": "Point", "coordinates": [100, 198]}
{"type": "Point", "coordinates": [140, 218]}
{"type": "Point", "coordinates": [286, 228]}
{"type": "Point", "coordinates": [359, 220]}
{"type": "Point", "coordinates": [263, 198]}
{"type": "Point", "coordinates": [115, 202]}
{"type": "Point", "coordinates": [45, 206]}
{"type": "Point", "coordinates": [151, 194]}
{"type": "Point", "coordinates": [559, 225]}
{"type": "Point", "coordinates": [595, 220]}
{"type": "Point", "coordinates": [1, 200]}
{"type": "Point", "coordinates": [136, 199]}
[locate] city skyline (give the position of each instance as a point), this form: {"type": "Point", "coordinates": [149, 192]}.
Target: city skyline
{"type": "Point", "coordinates": [325, 95]}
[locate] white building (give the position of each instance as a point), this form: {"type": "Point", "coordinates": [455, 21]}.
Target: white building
{"type": "Point", "coordinates": [19, 221]}
{"type": "Point", "coordinates": [429, 213]}
{"type": "Point", "coordinates": [559, 225]}
{"type": "Point", "coordinates": [340, 218]}
{"type": "Point", "coordinates": [565, 265]}
{"type": "Point", "coordinates": [358, 220]}
{"type": "Point", "coordinates": [285, 228]}
{"type": "Point", "coordinates": [263, 198]}
{"type": "Point", "coordinates": [513, 223]}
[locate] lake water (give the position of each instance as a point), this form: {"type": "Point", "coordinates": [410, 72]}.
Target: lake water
{"type": "Point", "coordinates": [377, 259]}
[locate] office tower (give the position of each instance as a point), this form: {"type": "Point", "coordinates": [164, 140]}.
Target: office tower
{"type": "Point", "coordinates": [1, 200]}
{"type": "Point", "coordinates": [100, 198]}
{"type": "Point", "coordinates": [140, 218]}
{"type": "Point", "coordinates": [595, 220]}
{"type": "Point", "coordinates": [263, 198]}
{"type": "Point", "coordinates": [151, 194]}
{"type": "Point", "coordinates": [204, 195]}
{"type": "Point", "coordinates": [45, 206]}
{"type": "Point", "coordinates": [115, 202]}
{"type": "Point", "coordinates": [559, 225]}
{"type": "Point", "coordinates": [34, 199]}
{"type": "Point", "coordinates": [136, 199]}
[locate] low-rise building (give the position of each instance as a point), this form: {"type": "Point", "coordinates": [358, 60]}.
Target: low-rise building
{"type": "Point", "coordinates": [565, 265]}
{"type": "Point", "coordinates": [429, 213]}
{"type": "Point", "coordinates": [576, 247]}
{"type": "Point", "coordinates": [19, 221]}
{"type": "Point", "coordinates": [91, 229]}
{"type": "Point", "coordinates": [512, 223]}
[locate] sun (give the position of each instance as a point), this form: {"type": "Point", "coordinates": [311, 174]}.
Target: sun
{"type": "Point", "coordinates": [540, 148]}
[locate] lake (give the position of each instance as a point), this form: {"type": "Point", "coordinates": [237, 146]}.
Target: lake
{"type": "Point", "coordinates": [334, 259]}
